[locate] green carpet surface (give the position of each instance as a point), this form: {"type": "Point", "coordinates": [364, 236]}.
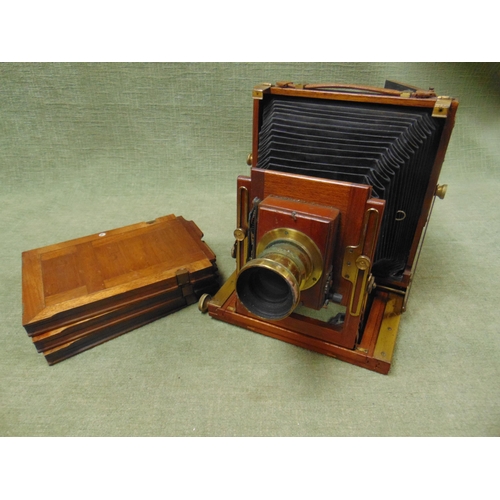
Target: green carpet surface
{"type": "Point", "coordinates": [86, 148]}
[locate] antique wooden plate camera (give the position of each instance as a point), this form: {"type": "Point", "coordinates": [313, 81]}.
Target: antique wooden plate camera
{"type": "Point", "coordinates": [331, 220]}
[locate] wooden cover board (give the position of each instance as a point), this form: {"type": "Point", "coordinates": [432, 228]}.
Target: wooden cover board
{"type": "Point", "coordinates": [80, 278]}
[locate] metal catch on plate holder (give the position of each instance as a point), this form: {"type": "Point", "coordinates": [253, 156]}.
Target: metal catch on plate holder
{"type": "Point", "coordinates": [356, 265]}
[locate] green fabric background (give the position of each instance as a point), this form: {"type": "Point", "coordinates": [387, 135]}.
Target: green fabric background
{"type": "Point", "coordinates": [89, 147]}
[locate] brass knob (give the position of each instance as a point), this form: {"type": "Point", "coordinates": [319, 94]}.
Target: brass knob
{"type": "Point", "coordinates": [363, 263]}
{"type": "Point", "coordinates": [441, 190]}
{"type": "Point", "coordinates": [239, 234]}
{"type": "Point", "coordinates": [203, 302]}
{"type": "Point", "coordinates": [249, 159]}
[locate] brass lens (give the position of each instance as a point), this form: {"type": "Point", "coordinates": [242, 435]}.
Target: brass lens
{"type": "Point", "coordinates": [288, 261]}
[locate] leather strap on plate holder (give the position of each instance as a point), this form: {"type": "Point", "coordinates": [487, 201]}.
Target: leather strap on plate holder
{"type": "Point", "coordinates": [419, 93]}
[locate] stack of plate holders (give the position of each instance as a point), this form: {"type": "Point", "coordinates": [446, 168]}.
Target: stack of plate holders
{"type": "Point", "coordinates": [389, 149]}
{"type": "Point", "coordinates": [83, 292]}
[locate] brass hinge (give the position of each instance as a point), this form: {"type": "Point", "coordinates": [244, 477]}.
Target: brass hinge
{"type": "Point", "coordinates": [441, 107]}
{"type": "Point", "coordinates": [258, 90]}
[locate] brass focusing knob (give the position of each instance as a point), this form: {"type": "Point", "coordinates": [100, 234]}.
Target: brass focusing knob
{"type": "Point", "coordinates": [363, 263]}
{"type": "Point", "coordinates": [249, 159]}
{"type": "Point", "coordinates": [239, 234]}
{"type": "Point", "coordinates": [203, 302]}
{"type": "Point", "coordinates": [441, 191]}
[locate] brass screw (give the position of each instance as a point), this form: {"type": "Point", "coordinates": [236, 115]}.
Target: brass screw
{"type": "Point", "coordinates": [249, 159]}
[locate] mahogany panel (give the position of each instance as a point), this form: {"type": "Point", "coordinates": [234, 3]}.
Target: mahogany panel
{"type": "Point", "coordinates": [351, 201]}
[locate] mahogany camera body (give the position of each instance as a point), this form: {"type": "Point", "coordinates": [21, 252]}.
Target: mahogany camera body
{"type": "Point", "coordinates": [331, 219]}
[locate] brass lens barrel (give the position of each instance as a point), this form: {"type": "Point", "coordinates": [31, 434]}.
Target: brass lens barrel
{"type": "Point", "coordinates": [288, 261]}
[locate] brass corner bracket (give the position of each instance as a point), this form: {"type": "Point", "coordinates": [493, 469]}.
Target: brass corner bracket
{"type": "Point", "coordinates": [258, 90]}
